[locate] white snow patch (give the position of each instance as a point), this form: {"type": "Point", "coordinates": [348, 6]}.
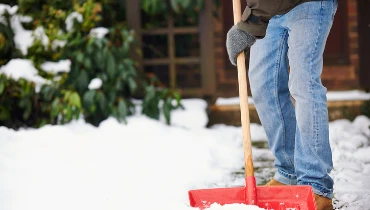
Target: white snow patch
{"type": "Point", "coordinates": [39, 34]}
{"type": "Point", "coordinates": [70, 18]}
{"type": "Point", "coordinates": [119, 166]}
{"type": "Point", "coordinates": [231, 101]}
{"type": "Point", "coordinates": [233, 207]}
{"type": "Point", "coordinates": [56, 67]}
{"type": "Point", "coordinates": [22, 38]}
{"type": "Point", "coordinates": [347, 95]}
{"type": "Point", "coordinates": [11, 10]}
{"type": "Point", "coordinates": [95, 83]}
{"type": "Point", "coordinates": [23, 68]}
{"type": "Point", "coordinates": [193, 108]}
{"type": "Point", "coordinates": [58, 43]}
{"type": "Point", "coordinates": [25, 19]}
{"type": "Point", "coordinates": [331, 96]}
{"type": "Point", "coordinates": [363, 154]}
{"type": "Point", "coordinates": [99, 32]}
{"type": "Point", "coordinates": [350, 145]}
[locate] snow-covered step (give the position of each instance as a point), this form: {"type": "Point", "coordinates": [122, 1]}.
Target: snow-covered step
{"type": "Point", "coordinates": [341, 104]}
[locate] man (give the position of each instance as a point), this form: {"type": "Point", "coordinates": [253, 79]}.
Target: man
{"type": "Point", "coordinates": [282, 33]}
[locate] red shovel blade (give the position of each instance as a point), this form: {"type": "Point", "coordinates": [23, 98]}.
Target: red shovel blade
{"type": "Point", "coordinates": [269, 197]}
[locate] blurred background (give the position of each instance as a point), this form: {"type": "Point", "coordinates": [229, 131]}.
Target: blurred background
{"type": "Point", "coordinates": [107, 103]}
{"type": "Point", "coordinates": [96, 56]}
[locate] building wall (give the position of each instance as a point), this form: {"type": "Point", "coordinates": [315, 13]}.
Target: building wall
{"type": "Point", "coordinates": [336, 76]}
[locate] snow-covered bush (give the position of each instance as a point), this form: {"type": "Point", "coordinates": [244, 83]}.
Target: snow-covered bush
{"type": "Point", "coordinates": [21, 105]}
{"type": "Point", "coordinates": [8, 48]}
{"type": "Point", "coordinates": [80, 66]}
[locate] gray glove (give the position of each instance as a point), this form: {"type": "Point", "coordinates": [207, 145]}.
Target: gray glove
{"type": "Point", "coordinates": [238, 41]}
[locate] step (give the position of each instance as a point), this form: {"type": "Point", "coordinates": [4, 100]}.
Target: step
{"type": "Point", "coordinates": [230, 114]}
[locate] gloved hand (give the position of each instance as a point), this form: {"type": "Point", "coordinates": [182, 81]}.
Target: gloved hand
{"type": "Point", "coordinates": [238, 41]}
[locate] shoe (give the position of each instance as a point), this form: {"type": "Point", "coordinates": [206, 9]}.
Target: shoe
{"type": "Point", "coordinates": [323, 203]}
{"type": "Point", "coordinates": [273, 182]}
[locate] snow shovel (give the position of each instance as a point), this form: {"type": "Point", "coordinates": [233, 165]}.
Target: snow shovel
{"type": "Point", "coordinates": [267, 197]}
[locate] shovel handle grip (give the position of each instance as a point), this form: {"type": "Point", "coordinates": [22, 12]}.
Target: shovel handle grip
{"type": "Point", "coordinates": [243, 95]}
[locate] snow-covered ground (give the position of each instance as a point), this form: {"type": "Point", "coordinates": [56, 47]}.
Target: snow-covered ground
{"type": "Point", "coordinates": [331, 96]}
{"type": "Point", "coordinates": [149, 165]}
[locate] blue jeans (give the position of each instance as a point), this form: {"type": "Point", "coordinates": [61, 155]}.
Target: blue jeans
{"type": "Point", "coordinates": [298, 134]}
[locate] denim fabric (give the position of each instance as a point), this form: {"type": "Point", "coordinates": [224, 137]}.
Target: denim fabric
{"type": "Point", "coordinates": [297, 133]}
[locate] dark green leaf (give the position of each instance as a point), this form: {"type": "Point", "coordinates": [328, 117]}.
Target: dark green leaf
{"type": "Point", "coordinates": [102, 103]}
{"type": "Point", "coordinates": [2, 87]}
{"type": "Point", "coordinates": [167, 107]}
{"type": "Point", "coordinates": [132, 84]}
{"type": "Point", "coordinates": [27, 111]}
{"type": "Point", "coordinates": [87, 63]}
{"type": "Point", "coordinates": [122, 109]}
{"type": "Point", "coordinates": [67, 113]}
{"type": "Point", "coordinates": [175, 6]}
{"type": "Point", "coordinates": [89, 98]}
{"type": "Point", "coordinates": [55, 108]}
{"type": "Point", "coordinates": [4, 113]}
{"type": "Point", "coordinates": [111, 66]}
{"type": "Point", "coordinates": [80, 57]}
{"type": "Point", "coordinates": [82, 81]}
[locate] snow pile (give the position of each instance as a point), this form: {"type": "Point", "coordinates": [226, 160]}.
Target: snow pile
{"type": "Point", "coordinates": [95, 83]}
{"type": "Point", "coordinates": [233, 207]}
{"type": "Point", "coordinates": [71, 18]}
{"type": "Point", "coordinates": [347, 95]}
{"type": "Point", "coordinates": [231, 101]}
{"type": "Point", "coordinates": [22, 38]}
{"type": "Point", "coordinates": [99, 32]}
{"type": "Point", "coordinates": [6, 8]}
{"type": "Point", "coordinates": [115, 166]}
{"type": "Point", "coordinates": [23, 68]}
{"type": "Point", "coordinates": [331, 96]}
{"type": "Point", "coordinates": [350, 144]}
{"type": "Point", "coordinates": [56, 67]}
{"type": "Point", "coordinates": [149, 165]}
{"type": "Point", "coordinates": [193, 109]}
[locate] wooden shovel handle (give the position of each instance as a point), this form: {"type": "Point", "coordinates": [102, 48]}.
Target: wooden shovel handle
{"type": "Point", "coordinates": [243, 95]}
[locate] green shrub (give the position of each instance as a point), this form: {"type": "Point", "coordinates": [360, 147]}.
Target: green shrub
{"type": "Point", "coordinates": [154, 97]}
{"type": "Point", "coordinates": [21, 105]}
{"type": "Point", "coordinates": [8, 49]}
{"type": "Point", "coordinates": [106, 58]}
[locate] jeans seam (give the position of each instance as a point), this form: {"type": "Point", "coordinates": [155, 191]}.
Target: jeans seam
{"type": "Point", "coordinates": [315, 121]}
{"type": "Point", "coordinates": [284, 36]}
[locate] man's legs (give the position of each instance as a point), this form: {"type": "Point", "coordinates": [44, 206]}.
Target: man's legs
{"type": "Point", "coordinates": [268, 76]}
{"type": "Point", "coordinates": [309, 25]}
{"type": "Point", "coordinates": [306, 28]}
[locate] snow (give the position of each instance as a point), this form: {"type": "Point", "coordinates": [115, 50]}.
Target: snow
{"type": "Point", "coordinates": [233, 207]}
{"type": "Point", "coordinates": [39, 34]}
{"type": "Point", "coordinates": [347, 95]}
{"type": "Point", "coordinates": [185, 119]}
{"type": "Point", "coordinates": [231, 101]}
{"type": "Point", "coordinates": [56, 67]}
{"type": "Point", "coordinates": [23, 68]}
{"type": "Point", "coordinates": [95, 83]}
{"type": "Point", "coordinates": [58, 43]}
{"type": "Point", "coordinates": [331, 96]}
{"type": "Point", "coordinates": [99, 32]}
{"type": "Point", "coordinates": [70, 18]}
{"type": "Point", "coordinates": [146, 164]}
{"type": "Point", "coordinates": [22, 38]}
{"type": "Point", "coordinates": [11, 10]}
